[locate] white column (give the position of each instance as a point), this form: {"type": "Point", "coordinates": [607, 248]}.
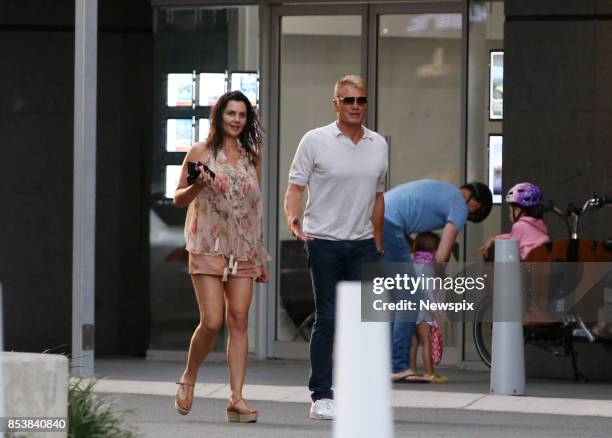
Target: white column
{"type": "Point", "coordinates": [84, 202]}
{"type": "Point", "coordinates": [265, 317]}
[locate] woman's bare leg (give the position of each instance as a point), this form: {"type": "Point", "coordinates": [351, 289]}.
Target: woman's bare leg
{"type": "Point", "coordinates": [239, 292]}
{"type": "Point", "coordinates": [209, 295]}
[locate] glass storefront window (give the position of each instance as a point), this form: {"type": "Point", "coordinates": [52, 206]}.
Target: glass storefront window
{"type": "Point", "coordinates": [315, 52]}
{"type": "Point", "coordinates": [419, 95]}
{"type": "Point", "coordinates": [419, 101]}
{"type": "Point", "coordinates": [418, 107]}
{"type": "Point", "coordinates": [205, 44]}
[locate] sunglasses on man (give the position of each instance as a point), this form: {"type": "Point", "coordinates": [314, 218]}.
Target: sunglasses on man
{"type": "Point", "coordinates": [350, 100]}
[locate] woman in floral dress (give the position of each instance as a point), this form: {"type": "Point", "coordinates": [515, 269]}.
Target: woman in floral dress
{"type": "Point", "coordinates": [224, 240]}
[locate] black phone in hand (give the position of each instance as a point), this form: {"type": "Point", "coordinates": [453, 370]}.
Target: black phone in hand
{"type": "Point", "coordinates": [193, 171]}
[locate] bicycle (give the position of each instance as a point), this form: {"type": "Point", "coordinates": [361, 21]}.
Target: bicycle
{"type": "Point", "coordinates": [550, 336]}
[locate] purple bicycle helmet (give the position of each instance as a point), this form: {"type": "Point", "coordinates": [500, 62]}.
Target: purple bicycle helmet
{"type": "Point", "coordinates": [525, 194]}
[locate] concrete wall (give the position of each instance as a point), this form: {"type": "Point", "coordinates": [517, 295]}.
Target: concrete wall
{"type": "Point", "coordinates": [36, 106]}
{"type": "Point", "coordinates": [34, 385]}
{"type": "Point", "coordinates": [558, 117]}
{"type": "Point", "coordinates": [558, 103]}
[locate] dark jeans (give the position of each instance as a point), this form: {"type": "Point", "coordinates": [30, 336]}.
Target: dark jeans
{"type": "Point", "coordinates": [330, 261]}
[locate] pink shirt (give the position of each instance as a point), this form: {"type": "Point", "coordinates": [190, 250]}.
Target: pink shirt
{"type": "Point", "coordinates": [530, 233]}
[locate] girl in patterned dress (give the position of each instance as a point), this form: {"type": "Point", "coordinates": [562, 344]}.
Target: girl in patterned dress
{"type": "Point", "coordinates": [425, 247]}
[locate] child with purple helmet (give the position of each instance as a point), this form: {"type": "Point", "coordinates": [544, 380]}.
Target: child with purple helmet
{"type": "Point", "coordinates": [525, 209]}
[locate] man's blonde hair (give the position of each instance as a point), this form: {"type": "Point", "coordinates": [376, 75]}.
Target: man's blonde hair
{"type": "Point", "coordinates": [354, 80]}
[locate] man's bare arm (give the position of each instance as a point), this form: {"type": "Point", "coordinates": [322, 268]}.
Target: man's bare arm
{"type": "Point", "coordinates": [293, 210]}
{"type": "Point", "coordinates": [449, 235]}
{"type": "Point", "coordinates": [378, 220]}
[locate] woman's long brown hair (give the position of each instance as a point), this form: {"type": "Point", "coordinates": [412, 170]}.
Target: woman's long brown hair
{"type": "Point", "coordinates": [251, 137]}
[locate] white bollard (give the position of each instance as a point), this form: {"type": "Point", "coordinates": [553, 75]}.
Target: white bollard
{"type": "Point", "coordinates": [508, 350]}
{"type": "Point", "coordinates": [362, 369]}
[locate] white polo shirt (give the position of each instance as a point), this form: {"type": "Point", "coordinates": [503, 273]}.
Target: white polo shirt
{"type": "Point", "coordinates": [342, 179]}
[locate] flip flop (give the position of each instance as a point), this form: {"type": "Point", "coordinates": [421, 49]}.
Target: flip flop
{"type": "Point", "coordinates": [416, 378]}
{"type": "Point", "coordinates": [436, 378]}
{"type": "Point", "coordinates": [401, 379]}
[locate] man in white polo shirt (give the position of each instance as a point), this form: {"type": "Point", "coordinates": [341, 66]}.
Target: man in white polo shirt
{"type": "Point", "coordinates": [344, 166]}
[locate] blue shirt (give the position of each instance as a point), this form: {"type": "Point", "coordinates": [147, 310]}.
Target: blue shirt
{"type": "Point", "coordinates": [425, 205]}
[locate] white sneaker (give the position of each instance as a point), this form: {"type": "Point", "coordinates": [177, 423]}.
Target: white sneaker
{"type": "Point", "coordinates": [323, 409]}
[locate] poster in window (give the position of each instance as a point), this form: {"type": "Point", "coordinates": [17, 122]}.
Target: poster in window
{"type": "Point", "coordinates": [495, 167]}
{"type": "Point", "coordinates": [212, 87]}
{"type": "Point", "coordinates": [173, 173]}
{"type": "Point", "coordinates": [179, 135]}
{"type": "Point", "coordinates": [496, 85]}
{"type": "Point", "coordinates": [180, 89]}
{"type": "Point", "coordinates": [248, 83]}
{"type": "Point", "coordinates": [203, 128]}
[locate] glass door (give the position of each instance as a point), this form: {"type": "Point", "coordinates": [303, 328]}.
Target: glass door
{"type": "Point", "coordinates": [316, 45]}
{"type": "Point", "coordinates": [418, 98]}
{"type": "Point", "coordinates": [411, 55]}
{"type": "Point", "coordinates": [417, 66]}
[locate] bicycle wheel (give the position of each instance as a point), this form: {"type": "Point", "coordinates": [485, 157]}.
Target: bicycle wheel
{"type": "Point", "coordinates": [483, 329]}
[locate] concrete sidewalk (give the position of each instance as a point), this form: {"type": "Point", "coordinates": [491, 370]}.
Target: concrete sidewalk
{"type": "Point", "coordinates": [285, 381]}
{"type": "Point", "coordinates": [155, 417]}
